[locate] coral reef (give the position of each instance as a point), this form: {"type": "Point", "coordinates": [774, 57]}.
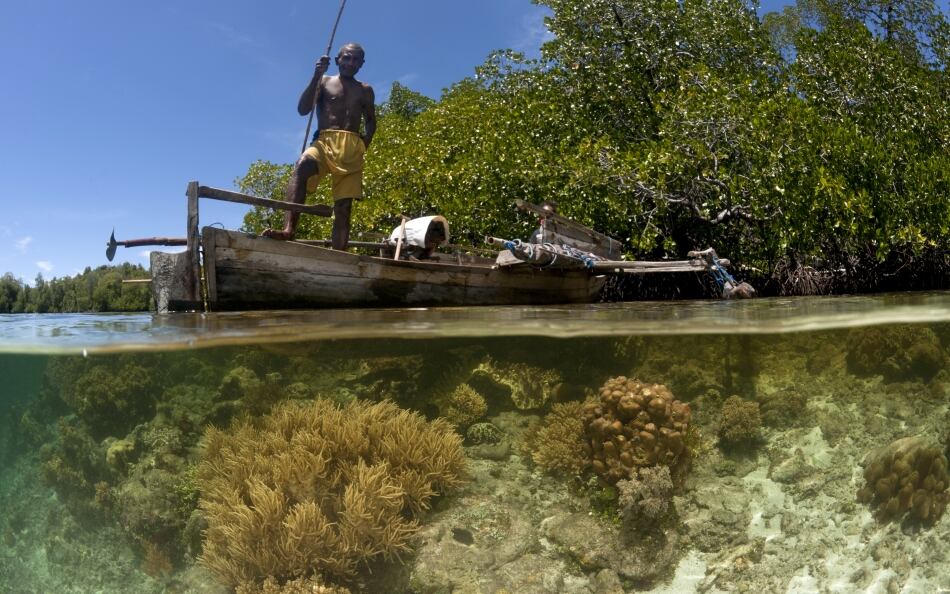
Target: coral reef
{"type": "Point", "coordinates": [73, 466]}
{"type": "Point", "coordinates": [908, 477]}
{"type": "Point", "coordinates": [899, 353]}
{"type": "Point", "coordinates": [110, 396]}
{"type": "Point", "coordinates": [255, 395]}
{"type": "Point", "coordinates": [632, 425]}
{"type": "Point", "coordinates": [740, 422]}
{"type": "Point", "coordinates": [525, 386]}
{"type": "Point", "coordinates": [645, 499]}
{"type": "Point", "coordinates": [317, 490]}
{"type": "Point", "coordinates": [556, 444]}
{"type": "Point", "coordinates": [465, 406]}
{"type": "Point", "coordinates": [483, 433]}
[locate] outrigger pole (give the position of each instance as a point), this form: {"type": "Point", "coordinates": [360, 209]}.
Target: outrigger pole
{"type": "Point", "coordinates": [313, 107]}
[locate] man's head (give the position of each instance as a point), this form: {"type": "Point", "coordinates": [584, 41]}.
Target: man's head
{"type": "Point", "coordinates": [350, 59]}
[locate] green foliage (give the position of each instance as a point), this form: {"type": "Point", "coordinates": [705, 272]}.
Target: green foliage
{"type": "Point", "coordinates": [818, 136]}
{"type": "Point", "coordinates": [94, 290]}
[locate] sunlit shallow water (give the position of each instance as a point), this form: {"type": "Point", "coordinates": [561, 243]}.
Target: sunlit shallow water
{"type": "Point", "coordinates": [105, 417]}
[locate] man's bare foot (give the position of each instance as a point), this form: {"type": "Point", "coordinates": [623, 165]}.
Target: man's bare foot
{"type": "Point", "coordinates": [278, 234]}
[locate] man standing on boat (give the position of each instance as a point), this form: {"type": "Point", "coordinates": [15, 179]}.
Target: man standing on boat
{"type": "Point", "coordinates": [342, 103]}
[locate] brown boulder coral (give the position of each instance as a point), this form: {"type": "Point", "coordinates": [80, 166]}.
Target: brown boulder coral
{"type": "Point", "coordinates": [907, 477]}
{"type": "Point", "coordinates": [632, 425]}
{"type": "Point", "coordinates": [317, 490]}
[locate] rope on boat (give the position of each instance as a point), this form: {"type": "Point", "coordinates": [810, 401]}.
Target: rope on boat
{"type": "Point", "coordinates": [532, 252]}
{"type": "Point", "coordinates": [720, 274]}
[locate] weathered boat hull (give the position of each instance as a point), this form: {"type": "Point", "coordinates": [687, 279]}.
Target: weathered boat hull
{"type": "Point", "coordinates": [246, 272]}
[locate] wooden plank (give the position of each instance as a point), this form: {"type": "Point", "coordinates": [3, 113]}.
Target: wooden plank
{"type": "Point", "coordinates": [321, 210]}
{"type": "Point", "coordinates": [209, 239]}
{"type": "Point", "coordinates": [192, 242]}
{"type": "Point", "coordinates": [642, 267]}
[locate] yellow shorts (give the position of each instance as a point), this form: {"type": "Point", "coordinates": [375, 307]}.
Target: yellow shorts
{"type": "Point", "coordinates": [338, 153]}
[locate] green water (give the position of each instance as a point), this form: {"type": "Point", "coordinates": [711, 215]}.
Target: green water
{"type": "Point", "coordinates": [104, 424]}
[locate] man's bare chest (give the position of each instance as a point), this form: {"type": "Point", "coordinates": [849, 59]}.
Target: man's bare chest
{"type": "Point", "coordinates": [337, 92]}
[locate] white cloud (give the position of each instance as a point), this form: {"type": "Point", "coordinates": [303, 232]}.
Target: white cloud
{"type": "Point", "coordinates": [533, 33]}
{"type": "Point", "coordinates": [408, 78]}
{"type": "Point", "coordinates": [45, 266]}
{"type": "Point", "coordinates": [23, 244]}
{"type": "Point", "coordinates": [234, 36]}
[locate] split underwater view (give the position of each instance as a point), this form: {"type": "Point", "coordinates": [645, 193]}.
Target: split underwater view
{"type": "Point", "coordinates": [789, 445]}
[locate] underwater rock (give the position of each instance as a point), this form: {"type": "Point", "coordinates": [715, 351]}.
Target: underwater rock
{"type": "Point", "coordinates": [595, 547]}
{"type": "Point", "coordinates": [717, 515]}
{"type": "Point", "coordinates": [792, 469]}
{"type": "Point", "coordinates": [445, 565]}
{"type": "Point", "coordinates": [525, 386]}
{"type": "Point", "coordinates": [785, 408]}
{"type": "Point", "coordinates": [632, 425]}
{"type": "Point", "coordinates": [297, 586]}
{"type": "Point", "coordinates": [536, 574]}
{"type": "Point", "coordinates": [907, 478]}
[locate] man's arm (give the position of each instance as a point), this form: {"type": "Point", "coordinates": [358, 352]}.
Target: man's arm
{"type": "Point", "coordinates": [369, 114]}
{"type": "Point", "coordinates": [310, 95]}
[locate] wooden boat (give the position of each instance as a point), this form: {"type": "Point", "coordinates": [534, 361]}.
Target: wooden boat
{"type": "Point", "coordinates": [223, 270]}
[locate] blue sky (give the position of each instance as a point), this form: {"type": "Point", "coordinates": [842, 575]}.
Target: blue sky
{"type": "Point", "coordinates": [109, 107]}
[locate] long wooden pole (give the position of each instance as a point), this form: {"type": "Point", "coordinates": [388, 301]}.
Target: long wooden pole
{"type": "Point", "coordinates": [316, 93]}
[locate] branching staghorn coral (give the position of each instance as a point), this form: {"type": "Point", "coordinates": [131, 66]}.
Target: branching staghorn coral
{"type": "Point", "coordinates": [318, 488]}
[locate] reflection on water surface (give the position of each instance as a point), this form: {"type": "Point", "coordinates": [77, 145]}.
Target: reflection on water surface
{"type": "Point", "coordinates": [105, 332]}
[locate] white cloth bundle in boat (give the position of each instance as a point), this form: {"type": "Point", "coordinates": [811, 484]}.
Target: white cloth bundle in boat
{"type": "Point", "coordinates": [416, 230]}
